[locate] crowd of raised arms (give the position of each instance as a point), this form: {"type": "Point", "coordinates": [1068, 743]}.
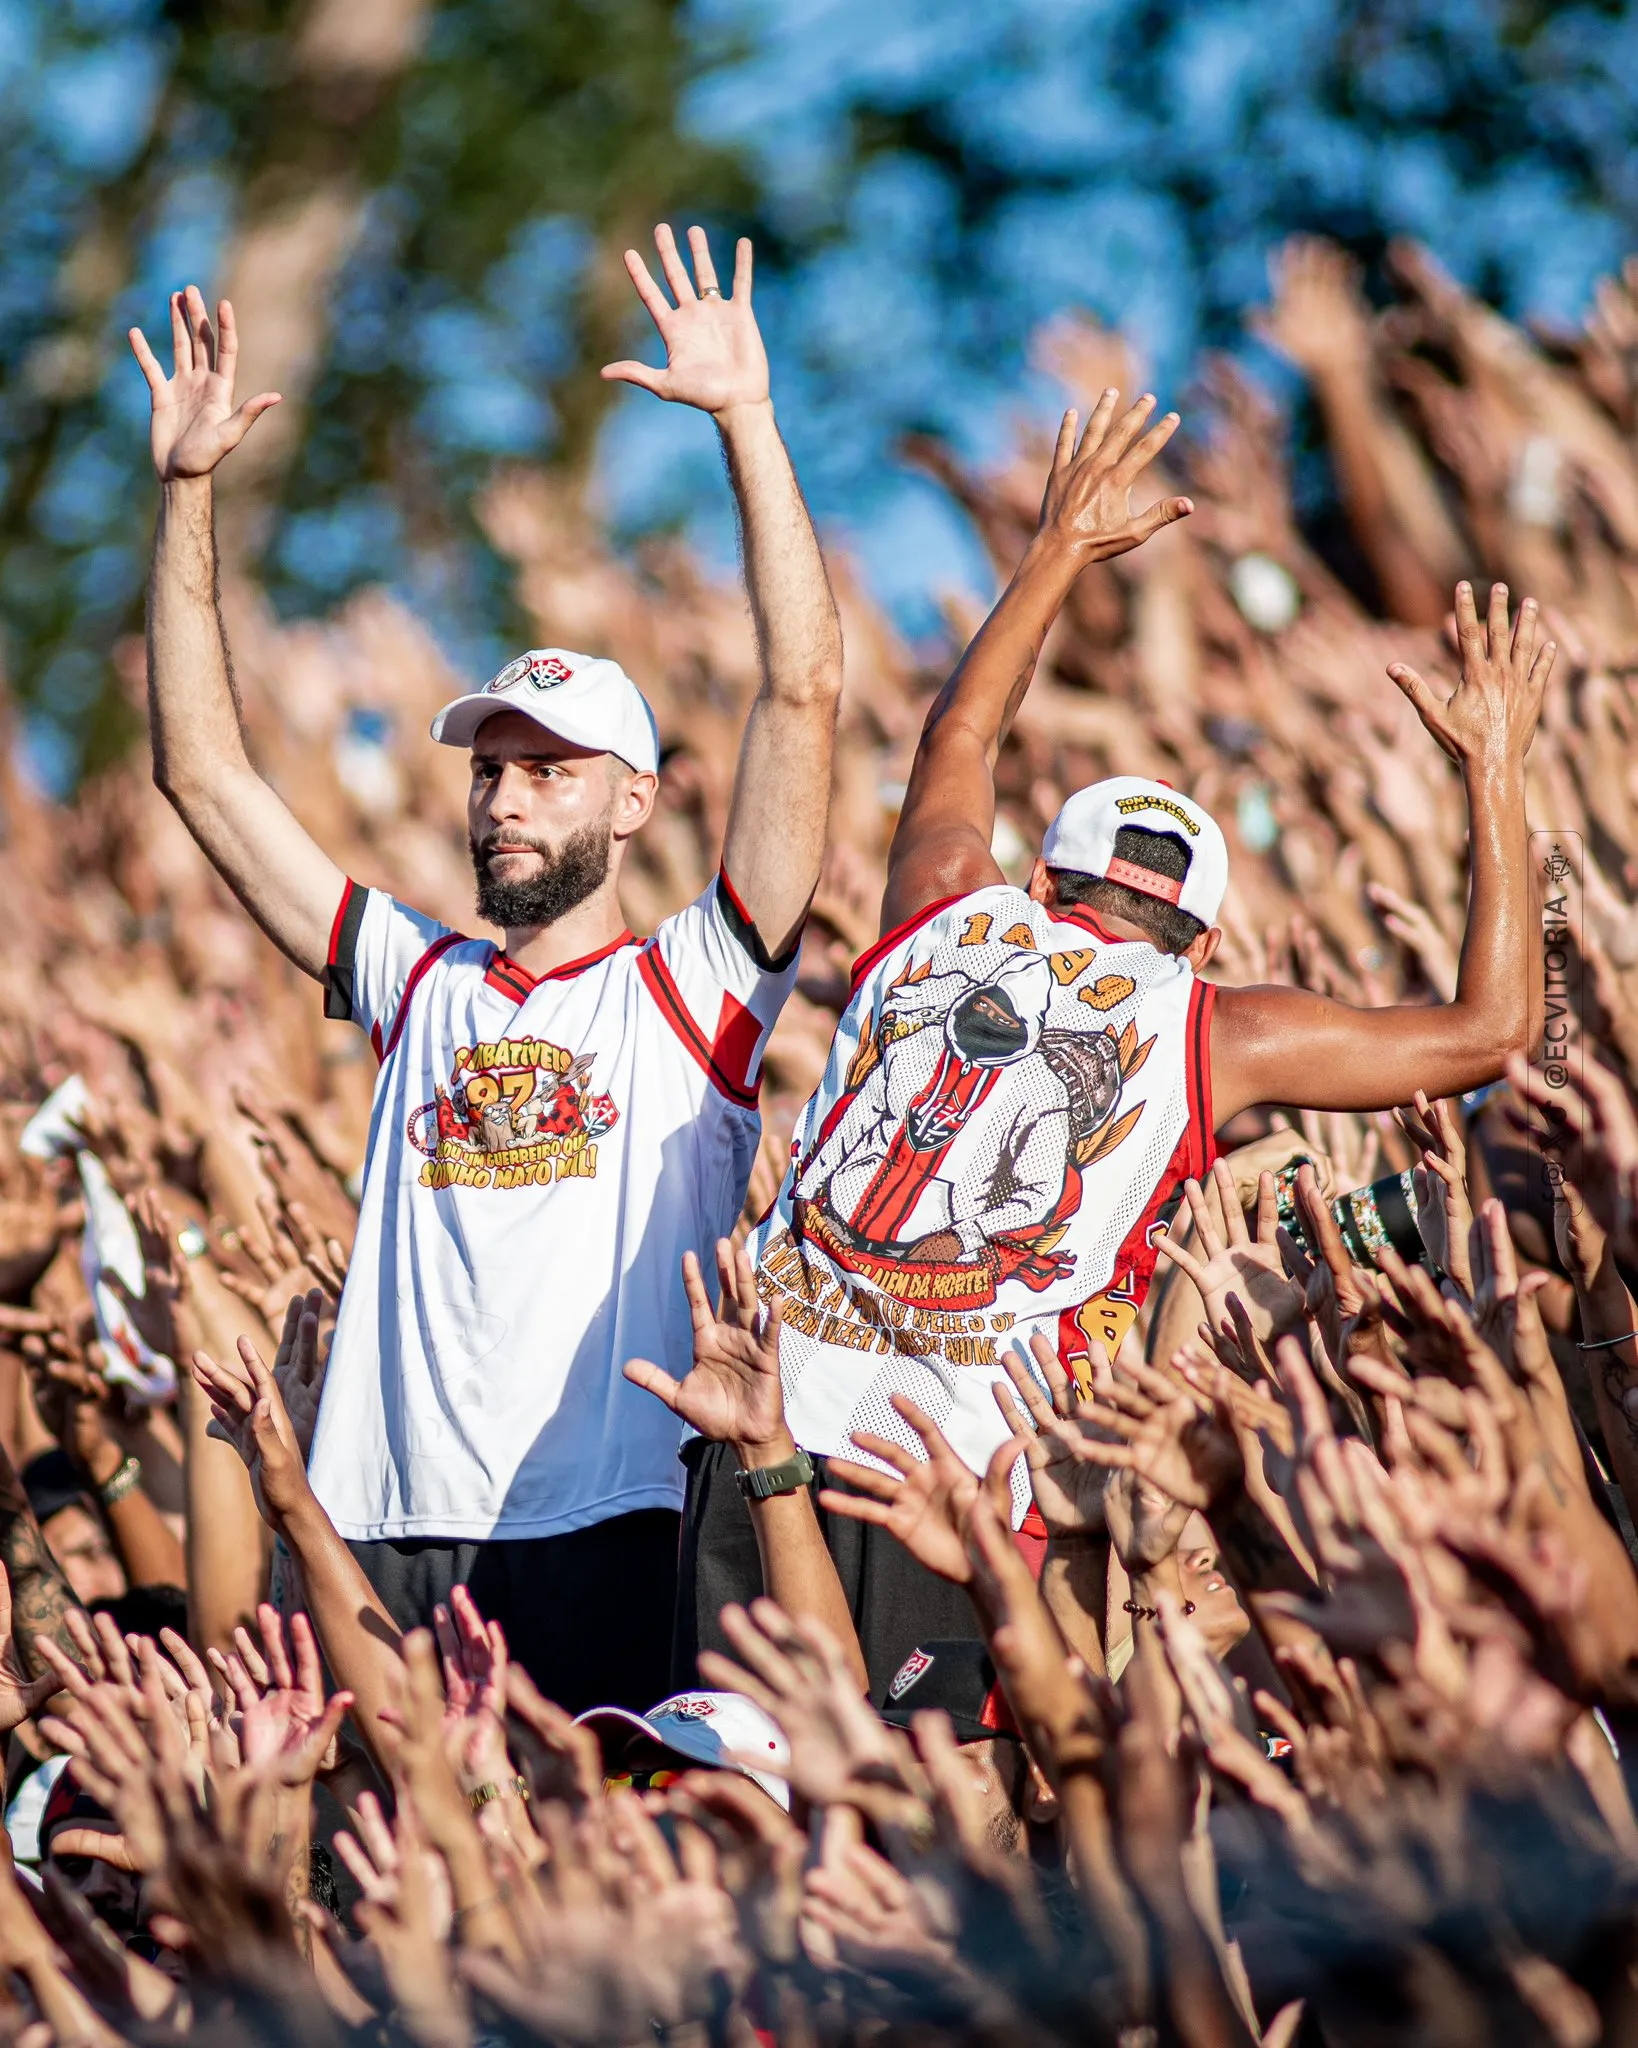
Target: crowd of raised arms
{"type": "Point", "coordinates": [978, 1378]}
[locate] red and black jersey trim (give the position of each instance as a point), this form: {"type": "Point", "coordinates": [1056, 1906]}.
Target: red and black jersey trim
{"type": "Point", "coordinates": [340, 956]}
{"type": "Point", "coordinates": [509, 979]}
{"type": "Point", "coordinates": [1197, 1062]}
{"type": "Point", "coordinates": [433, 954]}
{"type": "Point", "coordinates": [888, 940]}
{"type": "Point", "coordinates": [1081, 914]}
{"type": "Point", "coordinates": [662, 986]}
{"type": "Point", "coordinates": [738, 920]}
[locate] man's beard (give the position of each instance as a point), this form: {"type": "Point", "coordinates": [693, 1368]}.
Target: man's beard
{"type": "Point", "coordinates": [575, 871]}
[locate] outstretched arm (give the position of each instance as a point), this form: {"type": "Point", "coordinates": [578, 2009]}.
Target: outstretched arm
{"type": "Point", "coordinates": [732, 1395]}
{"type": "Point", "coordinates": [1267, 1042]}
{"type": "Point", "coordinates": [286, 883]}
{"type": "Point", "coordinates": [1320, 320]}
{"type": "Point", "coordinates": [942, 845]}
{"type": "Point", "coordinates": [715, 360]}
{"type": "Point", "coordinates": [357, 1635]}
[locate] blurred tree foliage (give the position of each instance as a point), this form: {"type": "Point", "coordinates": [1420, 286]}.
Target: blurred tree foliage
{"type": "Point", "coordinates": [954, 172]}
{"type": "Point", "coordinates": [423, 205]}
{"type": "Point", "coordinates": [418, 206]}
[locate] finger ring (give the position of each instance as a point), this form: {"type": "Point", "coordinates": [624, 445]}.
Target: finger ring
{"type": "Point", "coordinates": [711, 291]}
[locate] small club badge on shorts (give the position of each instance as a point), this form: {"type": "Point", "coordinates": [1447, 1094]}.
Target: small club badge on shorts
{"type": "Point", "coordinates": [908, 1672]}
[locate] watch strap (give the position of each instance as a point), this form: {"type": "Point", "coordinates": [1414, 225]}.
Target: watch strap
{"type": "Point", "coordinates": [763, 1482]}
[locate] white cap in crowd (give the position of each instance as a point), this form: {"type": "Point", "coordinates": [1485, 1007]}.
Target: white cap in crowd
{"type": "Point", "coordinates": [1081, 840]}
{"type": "Point", "coordinates": [714, 1728]}
{"type": "Point", "coordinates": [582, 698]}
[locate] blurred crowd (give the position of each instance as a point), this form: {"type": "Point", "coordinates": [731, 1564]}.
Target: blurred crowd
{"type": "Point", "coordinates": [1353, 1768]}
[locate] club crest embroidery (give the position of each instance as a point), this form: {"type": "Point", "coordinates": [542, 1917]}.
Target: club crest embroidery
{"type": "Point", "coordinates": [542, 671]}
{"type": "Point", "coordinates": [908, 1672]}
{"type": "Point", "coordinates": [518, 1112]}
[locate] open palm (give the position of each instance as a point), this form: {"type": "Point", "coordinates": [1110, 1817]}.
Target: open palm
{"type": "Point", "coordinates": [195, 422]}
{"type": "Point", "coordinates": [927, 1505]}
{"type": "Point", "coordinates": [732, 1395]}
{"type": "Point", "coordinates": [714, 358]}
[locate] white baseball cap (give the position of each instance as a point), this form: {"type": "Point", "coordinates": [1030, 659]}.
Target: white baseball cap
{"type": "Point", "coordinates": [1081, 839]}
{"type": "Point", "coordinates": [583, 698]}
{"type": "Point", "coordinates": [714, 1728]}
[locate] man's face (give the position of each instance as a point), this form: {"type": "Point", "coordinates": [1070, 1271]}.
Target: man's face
{"type": "Point", "coordinates": [541, 819]}
{"type": "Point", "coordinates": [1000, 1772]}
{"type": "Point", "coordinates": [1217, 1610]}
{"type": "Point", "coordinates": [80, 1545]}
{"type": "Point", "coordinates": [114, 1894]}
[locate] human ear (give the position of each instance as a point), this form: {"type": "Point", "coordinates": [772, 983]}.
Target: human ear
{"type": "Point", "coordinates": [635, 805]}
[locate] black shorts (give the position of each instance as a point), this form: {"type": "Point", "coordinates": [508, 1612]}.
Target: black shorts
{"type": "Point", "coordinates": [588, 1614]}
{"type": "Point", "coordinates": [896, 1603]}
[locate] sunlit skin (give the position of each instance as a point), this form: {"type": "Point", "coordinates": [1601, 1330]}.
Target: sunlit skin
{"type": "Point", "coordinates": [1015, 1795]}
{"type": "Point", "coordinates": [1217, 1610]}
{"type": "Point", "coordinates": [80, 1545]}
{"type": "Point", "coordinates": [528, 785]}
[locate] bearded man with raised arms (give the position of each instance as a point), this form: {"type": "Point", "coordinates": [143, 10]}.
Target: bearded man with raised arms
{"type": "Point", "coordinates": [558, 1120]}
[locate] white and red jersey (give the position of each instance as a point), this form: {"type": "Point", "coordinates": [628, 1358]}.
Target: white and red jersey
{"type": "Point", "coordinates": [542, 1152]}
{"type": "Point", "coordinates": [1012, 1096]}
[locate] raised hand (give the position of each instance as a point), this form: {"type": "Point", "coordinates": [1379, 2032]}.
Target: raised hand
{"type": "Point", "coordinates": [1087, 508]}
{"type": "Point", "coordinates": [285, 1721]}
{"type": "Point", "coordinates": [1231, 1260]}
{"type": "Point", "coordinates": [926, 1506]}
{"type": "Point", "coordinates": [1318, 317]}
{"type": "Point", "coordinates": [298, 1370]}
{"type": "Point", "coordinates": [841, 1752]}
{"type": "Point", "coordinates": [1145, 1523]}
{"type": "Point", "coordinates": [248, 1411]}
{"type": "Point", "coordinates": [1067, 1490]}
{"type": "Point", "coordinates": [714, 358]}
{"type": "Point", "coordinates": [195, 422]}
{"type": "Point", "coordinates": [1164, 1433]}
{"type": "Point", "coordinates": [476, 1662]}
{"type": "Point", "coordinates": [1489, 719]}
{"type": "Point", "coordinates": [732, 1394]}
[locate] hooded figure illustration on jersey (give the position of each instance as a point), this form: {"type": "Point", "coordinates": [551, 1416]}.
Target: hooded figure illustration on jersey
{"type": "Point", "coordinates": [959, 1144]}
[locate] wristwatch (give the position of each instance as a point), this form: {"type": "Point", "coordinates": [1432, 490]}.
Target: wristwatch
{"type": "Point", "coordinates": [767, 1480]}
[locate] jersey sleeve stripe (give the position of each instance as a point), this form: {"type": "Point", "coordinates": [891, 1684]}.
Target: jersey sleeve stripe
{"type": "Point", "coordinates": [657, 978]}
{"type": "Point", "coordinates": [888, 940]}
{"type": "Point", "coordinates": [740, 922]}
{"type": "Point", "coordinates": [429, 958]}
{"type": "Point", "coordinates": [1202, 1001]}
{"type": "Point", "coordinates": [340, 955]}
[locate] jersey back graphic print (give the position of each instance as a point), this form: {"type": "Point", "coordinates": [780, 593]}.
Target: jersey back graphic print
{"type": "Point", "coordinates": [1012, 1095]}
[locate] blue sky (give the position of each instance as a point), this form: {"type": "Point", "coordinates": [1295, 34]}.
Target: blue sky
{"type": "Point", "coordinates": [946, 174]}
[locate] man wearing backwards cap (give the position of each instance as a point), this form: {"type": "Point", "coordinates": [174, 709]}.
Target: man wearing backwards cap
{"type": "Point", "coordinates": [558, 1120]}
{"type": "Point", "coordinates": [1024, 1076]}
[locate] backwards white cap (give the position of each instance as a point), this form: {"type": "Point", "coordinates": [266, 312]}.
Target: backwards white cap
{"type": "Point", "coordinates": [1081, 839]}
{"type": "Point", "coordinates": [582, 698]}
{"type": "Point", "coordinates": [715, 1728]}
